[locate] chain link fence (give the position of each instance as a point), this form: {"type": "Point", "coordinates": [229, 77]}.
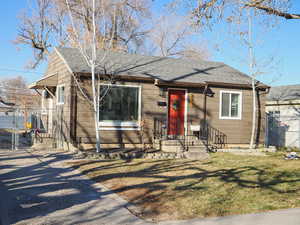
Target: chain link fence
{"type": "Point", "coordinates": [17, 126]}
{"type": "Point", "coordinates": [283, 131]}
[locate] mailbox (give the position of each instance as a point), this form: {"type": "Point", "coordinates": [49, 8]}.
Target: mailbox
{"type": "Point", "coordinates": [195, 127]}
{"type": "Point", "coordinates": [161, 103]}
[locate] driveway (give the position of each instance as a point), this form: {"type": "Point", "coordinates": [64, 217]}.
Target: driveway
{"type": "Point", "coordinates": [40, 190]}
{"type": "Point", "coordinates": [37, 188]}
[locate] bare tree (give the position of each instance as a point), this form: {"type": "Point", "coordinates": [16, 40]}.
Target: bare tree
{"type": "Point", "coordinates": [39, 26]}
{"type": "Point", "coordinates": [175, 36]}
{"type": "Point", "coordinates": [249, 43]}
{"type": "Point", "coordinates": [209, 11]}
{"type": "Point", "coordinates": [15, 90]}
{"type": "Point", "coordinates": [45, 24]}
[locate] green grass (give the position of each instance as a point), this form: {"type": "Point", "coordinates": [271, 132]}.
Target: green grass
{"type": "Point", "coordinates": [226, 184]}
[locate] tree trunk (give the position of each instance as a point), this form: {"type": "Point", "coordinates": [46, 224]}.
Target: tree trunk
{"type": "Point", "coordinates": [253, 114]}
{"type": "Point", "coordinates": [251, 68]}
{"type": "Point", "coordinates": [95, 104]}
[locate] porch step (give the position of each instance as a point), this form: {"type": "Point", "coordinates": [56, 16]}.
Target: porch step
{"type": "Point", "coordinates": [201, 155]}
{"type": "Point", "coordinates": [195, 142]}
{"type": "Point", "coordinates": [197, 148]}
{"type": "Point", "coordinates": [180, 145]}
{"type": "Point", "coordinates": [172, 148]}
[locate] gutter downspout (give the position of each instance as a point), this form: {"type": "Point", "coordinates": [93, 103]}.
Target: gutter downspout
{"type": "Point", "coordinates": [204, 122]}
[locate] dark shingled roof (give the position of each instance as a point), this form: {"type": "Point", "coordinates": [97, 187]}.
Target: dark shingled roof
{"type": "Point", "coordinates": [284, 93]}
{"type": "Point", "coordinates": [162, 68]}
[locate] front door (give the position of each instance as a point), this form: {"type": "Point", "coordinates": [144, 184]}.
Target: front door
{"type": "Point", "coordinates": [176, 112]}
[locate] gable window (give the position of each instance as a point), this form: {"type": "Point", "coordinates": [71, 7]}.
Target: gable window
{"type": "Point", "coordinates": [120, 106]}
{"type": "Point", "coordinates": [60, 94]}
{"type": "Point", "coordinates": [230, 105]}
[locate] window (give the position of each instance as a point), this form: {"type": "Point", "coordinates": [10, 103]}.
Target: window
{"type": "Point", "coordinates": [120, 106]}
{"type": "Point", "coordinates": [44, 100]}
{"type": "Point", "coordinates": [60, 94]}
{"type": "Point", "coordinates": [275, 114]}
{"type": "Point", "coordinates": [230, 105]}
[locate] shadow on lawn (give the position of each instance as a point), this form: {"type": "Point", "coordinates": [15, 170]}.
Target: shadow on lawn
{"type": "Point", "coordinates": [35, 188]}
{"type": "Point", "coordinates": [164, 173]}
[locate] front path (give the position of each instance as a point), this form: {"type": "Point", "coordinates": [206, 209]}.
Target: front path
{"type": "Point", "coordinates": [36, 188]}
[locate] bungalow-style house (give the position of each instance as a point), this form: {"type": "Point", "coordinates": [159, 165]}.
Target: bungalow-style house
{"type": "Point", "coordinates": [283, 110]}
{"type": "Point", "coordinates": [149, 100]}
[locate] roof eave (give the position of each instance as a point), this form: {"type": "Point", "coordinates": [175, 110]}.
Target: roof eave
{"type": "Point", "coordinates": [49, 81]}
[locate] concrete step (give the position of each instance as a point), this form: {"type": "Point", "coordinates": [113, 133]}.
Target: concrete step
{"type": "Point", "coordinates": [197, 148]}
{"type": "Point", "coordinates": [172, 148]}
{"type": "Point", "coordinates": [196, 155]}
{"type": "Point", "coordinates": [182, 142]}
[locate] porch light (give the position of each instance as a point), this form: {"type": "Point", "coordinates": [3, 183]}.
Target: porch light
{"type": "Point", "coordinates": [162, 92]}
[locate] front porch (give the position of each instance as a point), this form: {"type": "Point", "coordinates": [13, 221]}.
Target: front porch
{"type": "Point", "coordinates": [195, 138]}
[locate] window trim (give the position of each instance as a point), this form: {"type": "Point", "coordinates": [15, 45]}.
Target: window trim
{"type": "Point", "coordinates": [57, 97]}
{"type": "Point", "coordinates": [240, 106]}
{"type": "Point", "coordinates": [126, 125]}
{"type": "Point", "coordinates": [43, 103]}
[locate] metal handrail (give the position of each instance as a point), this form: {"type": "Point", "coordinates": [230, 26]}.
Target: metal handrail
{"type": "Point", "coordinates": [213, 136]}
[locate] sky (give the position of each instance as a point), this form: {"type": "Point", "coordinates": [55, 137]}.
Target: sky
{"type": "Point", "coordinates": [276, 50]}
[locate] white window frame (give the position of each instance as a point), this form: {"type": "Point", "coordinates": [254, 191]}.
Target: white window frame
{"type": "Point", "coordinates": [57, 92]}
{"type": "Point", "coordinates": [126, 125]}
{"type": "Point", "coordinates": [44, 108]}
{"type": "Point", "coordinates": [240, 106]}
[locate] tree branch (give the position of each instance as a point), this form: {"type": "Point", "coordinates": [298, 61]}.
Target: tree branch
{"type": "Point", "coordinates": [273, 11]}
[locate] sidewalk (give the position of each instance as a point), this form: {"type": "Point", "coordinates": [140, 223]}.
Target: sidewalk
{"type": "Point", "coordinates": [37, 188]}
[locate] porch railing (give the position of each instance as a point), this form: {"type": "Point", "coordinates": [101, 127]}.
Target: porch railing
{"type": "Point", "coordinates": [214, 137]}
{"type": "Point", "coordinates": [160, 128]}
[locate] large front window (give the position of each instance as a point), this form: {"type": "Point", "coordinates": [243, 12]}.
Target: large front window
{"type": "Point", "coordinates": [230, 105]}
{"type": "Point", "coordinates": [119, 105]}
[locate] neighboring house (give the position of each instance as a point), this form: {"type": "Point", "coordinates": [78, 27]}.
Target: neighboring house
{"type": "Point", "coordinates": [4, 108]}
{"type": "Point", "coordinates": [283, 110]}
{"type": "Point", "coordinates": [20, 101]}
{"type": "Point", "coordinates": [148, 99]}
{"type": "Point", "coordinates": [7, 114]}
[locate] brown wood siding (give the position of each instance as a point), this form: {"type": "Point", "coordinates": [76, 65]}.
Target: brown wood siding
{"type": "Point", "coordinates": [237, 131]}
{"type": "Point", "coordinates": [57, 66]}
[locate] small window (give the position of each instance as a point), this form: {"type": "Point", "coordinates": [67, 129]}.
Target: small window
{"type": "Point", "coordinates": [60, 94]}
{"type": "Point", "coordinates": [274, 113]}
{"type": "Point", "coordinates": [120, 105]}
{"type": "Point", "coordinates": [230, 105]}
{"type": "Point", "coordinates": [44, 100]}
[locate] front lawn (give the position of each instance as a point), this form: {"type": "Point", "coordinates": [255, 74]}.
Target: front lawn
{"type": "Point", "coordinates": [181, 189]}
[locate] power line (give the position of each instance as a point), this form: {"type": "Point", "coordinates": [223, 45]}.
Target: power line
{"type": "Point", "coordinates": [18, 71]}
{"type": "Point", "coordinates": [7, 87]}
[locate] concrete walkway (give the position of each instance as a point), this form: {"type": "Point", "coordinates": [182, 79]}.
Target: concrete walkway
{"type": "Point", "coordinates": [36, 188]}
{"type": "Point", "coordinates": [40, 190]}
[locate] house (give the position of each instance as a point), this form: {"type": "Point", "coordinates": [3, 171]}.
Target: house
{"type": "Point", "coordinates": [283, 110]}
{"type": "Point", "coordinates": [18, 103]}
{"type": "Point", "coordinates": [149, 100]}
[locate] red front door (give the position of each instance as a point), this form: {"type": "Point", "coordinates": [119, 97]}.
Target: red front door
{"type": "Point", "coordinates": [176, 112]}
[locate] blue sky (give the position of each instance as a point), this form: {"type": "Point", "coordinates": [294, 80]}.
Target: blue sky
{"type": "Point", "coordinates": [282, 43]}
